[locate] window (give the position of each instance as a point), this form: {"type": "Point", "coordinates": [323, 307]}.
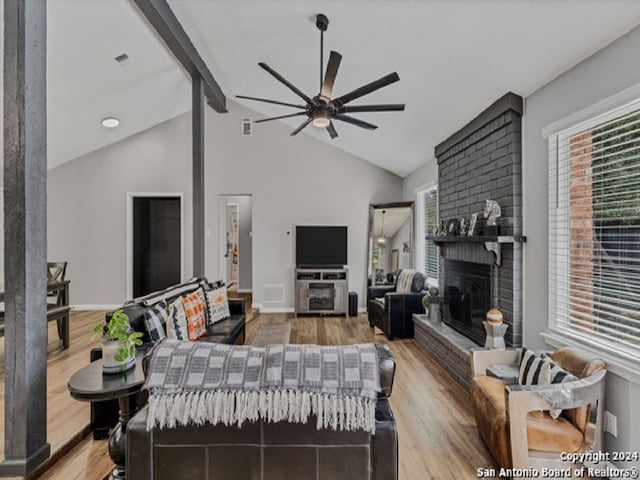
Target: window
{"type": "Point", "coordinates": [431, 252]}
{"type": "Point", "coordinates": [594, 232]}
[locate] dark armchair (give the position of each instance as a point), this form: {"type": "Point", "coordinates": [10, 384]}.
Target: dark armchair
{"type": "Point", "coordinates": [390, 308]}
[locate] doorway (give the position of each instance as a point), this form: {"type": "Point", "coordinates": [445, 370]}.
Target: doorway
{"type": "Point", "coordinates": [236, 256]}
{"type": "Point", "coordinates": [155, 242]}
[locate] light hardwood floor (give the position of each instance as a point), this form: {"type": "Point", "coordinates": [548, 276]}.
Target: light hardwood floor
{"type": "Point", "coordinates": [437, 433]}
{"type": "Point", "coordinates": [67, 419]}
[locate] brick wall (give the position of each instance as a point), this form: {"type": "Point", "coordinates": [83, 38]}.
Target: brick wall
{"type": "Point", "coordinates": [484, 161]}
{"type": "Point", "coordinates": [581, 226]}
{"type": "Point", "coordinates": [481, 161]}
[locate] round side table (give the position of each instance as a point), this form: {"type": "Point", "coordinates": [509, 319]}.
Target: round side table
{"type": "Point", "coordinates": [89, 384]}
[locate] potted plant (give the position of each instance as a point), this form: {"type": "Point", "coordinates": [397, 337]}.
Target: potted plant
{"type": "Point", "coordinates": [426, 301]}
{"type": "Point", "coordinates": [118, 342]}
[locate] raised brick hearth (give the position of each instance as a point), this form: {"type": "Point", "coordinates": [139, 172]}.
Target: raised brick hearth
{"type": "Point", "coordinates": [481, 161]}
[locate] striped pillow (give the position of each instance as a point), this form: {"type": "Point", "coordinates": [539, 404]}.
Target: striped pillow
{"type": "Point", "coordinates": [177, 321]}
{"type": "Point", "coordinates": [405, 279]}
{"type": "Point", "coordinates": [155, 319]}
{"type": "Point", "coordinates": [557, 374]}
{"type": "Point", "coordinates": [535, 369]}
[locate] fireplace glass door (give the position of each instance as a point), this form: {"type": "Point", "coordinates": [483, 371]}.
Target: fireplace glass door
{"type": "Point", "coordinates": [321, 296]}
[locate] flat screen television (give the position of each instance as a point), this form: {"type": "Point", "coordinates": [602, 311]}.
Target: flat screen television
{"type": "Point", "coordinates": [321, 246]}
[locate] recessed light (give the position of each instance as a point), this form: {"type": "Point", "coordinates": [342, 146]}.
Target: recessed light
{"type": "Point", "coordinates": [110, 122]}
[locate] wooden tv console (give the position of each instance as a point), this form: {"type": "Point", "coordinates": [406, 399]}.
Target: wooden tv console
{"type": "Point", "coordinates": [322, 291]}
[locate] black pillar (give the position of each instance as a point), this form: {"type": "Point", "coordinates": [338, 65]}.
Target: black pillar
{"type": "Point", "coordinates": [25, 228]}
{"type": "Point", "coordinates": [197, 133]}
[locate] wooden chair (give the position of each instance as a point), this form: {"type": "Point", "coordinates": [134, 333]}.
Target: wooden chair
{"type": "Point", "coordinates": [56, 271]}
{"type": "Point", "coordinates": [514, 420]}
{"type": "Point", "coordinates": [57, 304]}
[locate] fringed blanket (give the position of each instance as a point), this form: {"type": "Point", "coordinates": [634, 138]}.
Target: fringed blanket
{"type": "Point", "coordinates": [197, 382]}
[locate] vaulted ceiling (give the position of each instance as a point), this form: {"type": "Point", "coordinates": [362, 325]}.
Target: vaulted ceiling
{"type": "Point", "coordinates": [453, 57]}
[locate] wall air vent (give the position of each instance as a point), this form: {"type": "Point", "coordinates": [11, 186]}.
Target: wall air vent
{"type": "Point", "coordinates": [273, 293]}
{"type": "Point", "coordinates": [247, 127]}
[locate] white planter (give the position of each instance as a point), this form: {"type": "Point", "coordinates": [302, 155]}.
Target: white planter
{"type": "Point", "coordinates": [109, 363]}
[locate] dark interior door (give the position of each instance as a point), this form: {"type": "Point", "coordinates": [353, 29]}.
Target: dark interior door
{"type": "Point", "coordinates": [156, 243]}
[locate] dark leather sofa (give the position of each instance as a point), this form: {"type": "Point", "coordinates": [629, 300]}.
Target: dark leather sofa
{"type": "Point", "coordinates": [391, 311]}
{"type": "Point", "coordinates": [230, 331]}
{"type": "Point", "coordinates": [104, 415]}
{"type": "Point", "coordinates": [268, 451]}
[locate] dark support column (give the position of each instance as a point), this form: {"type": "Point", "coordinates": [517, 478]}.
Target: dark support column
{"type": "Point", "coordinates": [197, 134]}
{"type": "Point", "coordinates": [25, 227]}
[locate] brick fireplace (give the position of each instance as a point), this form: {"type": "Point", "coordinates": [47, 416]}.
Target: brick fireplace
{"type": "Point", "coordinates": [481, 161]}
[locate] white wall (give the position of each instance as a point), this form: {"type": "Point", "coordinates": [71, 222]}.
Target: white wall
{"type": "Point", "coordinates": [245, 260]}
{"type": "Point", "coordinates": [293, 180]}
{"type": "Point", "coordinates": [602, 75]}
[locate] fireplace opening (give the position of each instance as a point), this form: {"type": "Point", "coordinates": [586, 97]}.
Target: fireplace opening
{"type": "Point", "coordinates": [467, 297]}
{"type": "Point", "coordinates": [321, 296]}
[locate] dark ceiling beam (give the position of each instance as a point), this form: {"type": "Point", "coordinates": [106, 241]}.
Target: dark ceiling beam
{"type": "Point", "coordinates": [167, 26]}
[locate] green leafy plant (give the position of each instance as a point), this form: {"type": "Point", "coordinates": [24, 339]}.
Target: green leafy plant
{"type": "Point", "coordinates": [118, 328]}
{"type": "Point", "coordinates": [426, 301]}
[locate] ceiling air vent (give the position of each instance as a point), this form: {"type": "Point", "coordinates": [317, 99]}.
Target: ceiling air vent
{"type": "Point", "coordinates": [247, 127]}
{"type": "Point", "coordinates": [123, 60]}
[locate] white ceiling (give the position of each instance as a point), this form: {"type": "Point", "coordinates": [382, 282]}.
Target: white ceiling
{"type": "Point", "coordinates": [454, 58]}
{"type": "Point", "coordinates": [86, 84]}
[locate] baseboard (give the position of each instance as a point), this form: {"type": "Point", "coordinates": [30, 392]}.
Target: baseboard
{"type": "Point", "coordinates": [362, 310]}
{"type": "Point", "coordinates": [96, 307]}
{"type": "Point", "coordinates": [276, 309]}
{"type": "Point", "coordinates": [244, 290]}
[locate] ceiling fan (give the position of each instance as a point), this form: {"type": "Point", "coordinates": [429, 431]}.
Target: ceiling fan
{"type": "Point", "coordinates": [321, 110]}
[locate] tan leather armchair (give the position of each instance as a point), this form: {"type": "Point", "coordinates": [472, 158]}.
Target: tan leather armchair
{"type": "Point", "coordinates": [514, 421]}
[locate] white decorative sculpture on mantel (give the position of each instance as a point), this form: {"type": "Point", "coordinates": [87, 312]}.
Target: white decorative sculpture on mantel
{"type": "Point", "coordinates": [491, 212]}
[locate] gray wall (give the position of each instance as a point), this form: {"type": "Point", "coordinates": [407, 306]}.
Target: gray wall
{"type": "Point", "coordinates": [425, 175]}
{"type": "Point", "coordinates": [402, 236]}
{"type": "Point", "coordinates": [293, 180]}
{"type": "Point", "coordinates": [602, 75]}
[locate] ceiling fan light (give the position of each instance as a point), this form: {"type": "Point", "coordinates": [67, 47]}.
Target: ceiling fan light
{"type": "Point", "coordinates": [321, 121]}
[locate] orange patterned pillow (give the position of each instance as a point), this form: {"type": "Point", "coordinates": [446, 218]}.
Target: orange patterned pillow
{"type": "Point", "coordinates": [195, 309]}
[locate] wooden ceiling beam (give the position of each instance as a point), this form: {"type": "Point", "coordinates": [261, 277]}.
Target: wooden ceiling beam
{"type": "Point", "coordinates": [160, 16]}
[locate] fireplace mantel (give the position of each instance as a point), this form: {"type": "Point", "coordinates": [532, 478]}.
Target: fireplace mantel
{"type": "Point", "coordinates": [491, 243]}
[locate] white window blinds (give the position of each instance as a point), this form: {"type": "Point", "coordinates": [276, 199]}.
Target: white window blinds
{"type": "Point", "coordinates": [430, 221]}
{"type": "Point", "coordinates": [594, 232]}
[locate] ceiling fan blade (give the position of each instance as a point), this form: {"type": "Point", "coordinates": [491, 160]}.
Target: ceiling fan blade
{"type": "Point", "coordinates": [365, 89]}
{"type": "Point", "coordinates": [330, 75]}
{"type": "Point", "coordinates": [332, 131]}
{"type": "Point", "coordinates": [291, 86]}
{"type": "Point", "coordinates": [355, 121]}
{"type": "Point", "coordinates": [275, 102]}
{"type": "Point", "coordinates": [280, 116]}
{"type": "Point", "coordinates": [390, 107]}
{"type": "Point", "coordinates": [304, 124]}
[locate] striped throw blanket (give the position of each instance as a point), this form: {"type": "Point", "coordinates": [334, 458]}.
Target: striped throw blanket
{"type": "Point", "coordinates": [198, 382]}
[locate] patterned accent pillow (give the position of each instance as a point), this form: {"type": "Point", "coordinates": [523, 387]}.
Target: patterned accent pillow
{"type": "Point", "coordinates": [535, 369]}
{"type": "Point", "coordinates": [155, 319]}
{"type": "Point", "coordinates": [218, 305]}
{"type": "Point", "coordinates": [195, 310]}
{"type": "Point", "coordinates": [177, 321]}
